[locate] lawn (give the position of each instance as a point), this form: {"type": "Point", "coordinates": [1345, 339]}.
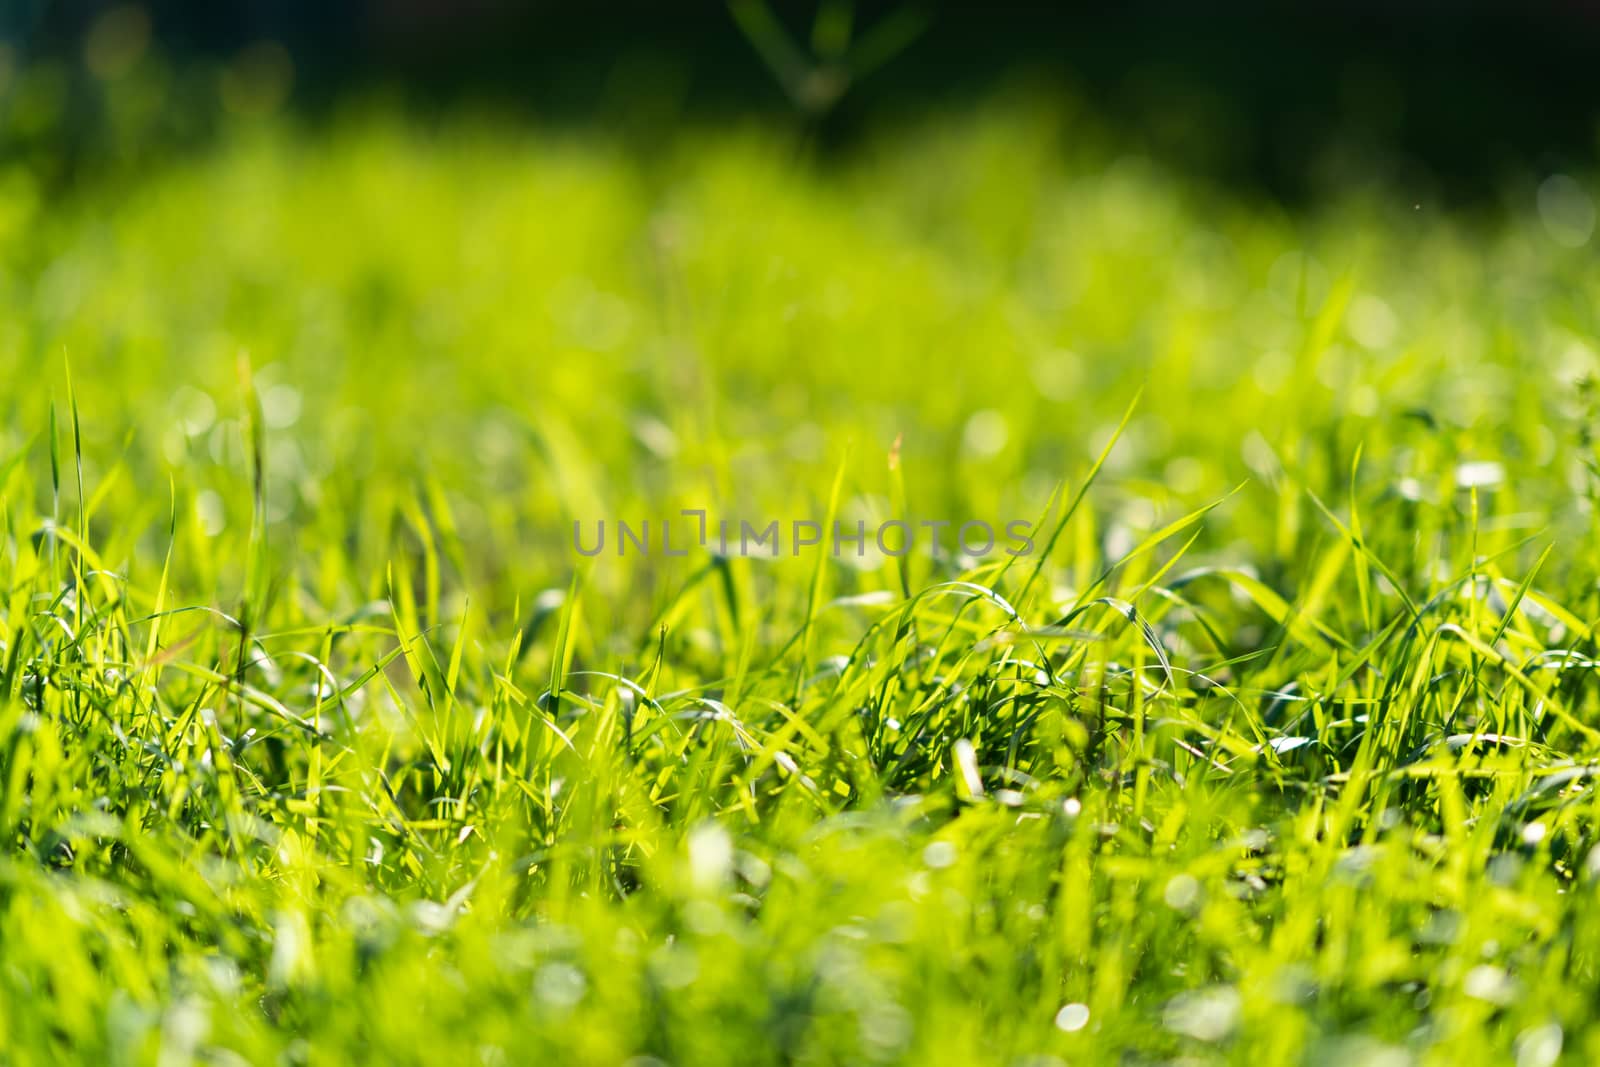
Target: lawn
{"type": "Point", "coordinates": [321, 741]}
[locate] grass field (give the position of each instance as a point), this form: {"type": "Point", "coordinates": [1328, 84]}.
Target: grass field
{"type": "Point", "coordinates": [319, 742]}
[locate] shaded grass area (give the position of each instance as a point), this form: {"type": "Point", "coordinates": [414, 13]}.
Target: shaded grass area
{"type": "Point", "coordinates": [1298, 103]}
{"type": "Point", "coordinates": [319, 741]}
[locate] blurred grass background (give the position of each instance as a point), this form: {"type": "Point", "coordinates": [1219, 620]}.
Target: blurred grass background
{"type": "Point", "coordinates": [554, 325]}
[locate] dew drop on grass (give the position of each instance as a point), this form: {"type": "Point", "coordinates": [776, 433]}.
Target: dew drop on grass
{"type": "Point", "coordinates": [1072, 1017]}
{"type": "Point", "coordinates": [939, 855]}
{"type": "Point", "coordinates": [1505, 869]}
{"type": "Point", "coordinates": [431, 917]}
{"type": "Point", "coordinates": [560, 985]}
{"type": "Point", "coordinates": [209, 509]}
{"type": "Point", "coordinates": [886, 1027]}
{"type": "Point", "coordinates": [1567, 211]}
{"type": "Point", "coordinates": [1539, 1046]}
{"type": "Point", "coordinates": [196, 411]}
{"type": "Point", "coordinates": [1479, 474]}
{"type": "Point", "coordinates": [1591, 863]}
{"type": "Point", "coordinates": [1205, 1015]}
{"type": "Point", "coordinates": [280, 406]}
{"type": "Point", "coordinates": [656, 436]}
{"type": "Point", "coordinates": [985, 434]}
{"type": "Point", "coordinates": [1271, 370]}
{"type": "Point", "coordinates": [966, 759]}
{"type": "Point", "coordinates": [1490, 984]}
{"type": "Point", "coordinates": [1372, 322]}
{"type": "Point", "coordinates": [710, 855]}
{"type": "Point", "coordinates": [1056, 376]}
{"type": "Point", "coordinates": [1182, 892]}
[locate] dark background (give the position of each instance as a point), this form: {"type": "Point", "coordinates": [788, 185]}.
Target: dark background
{"type": "Point", "coordinates": [1456, 95]}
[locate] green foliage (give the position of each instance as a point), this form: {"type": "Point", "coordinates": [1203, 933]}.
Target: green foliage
{"type": "Point", "coordinates": [319, 742]}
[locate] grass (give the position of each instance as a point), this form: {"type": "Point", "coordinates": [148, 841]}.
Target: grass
{"type": "Point", "coordinates": [319, 743]}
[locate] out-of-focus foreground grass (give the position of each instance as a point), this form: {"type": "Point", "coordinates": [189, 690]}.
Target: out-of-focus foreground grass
{"type": "Point", "coordinates": [318, 741]}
